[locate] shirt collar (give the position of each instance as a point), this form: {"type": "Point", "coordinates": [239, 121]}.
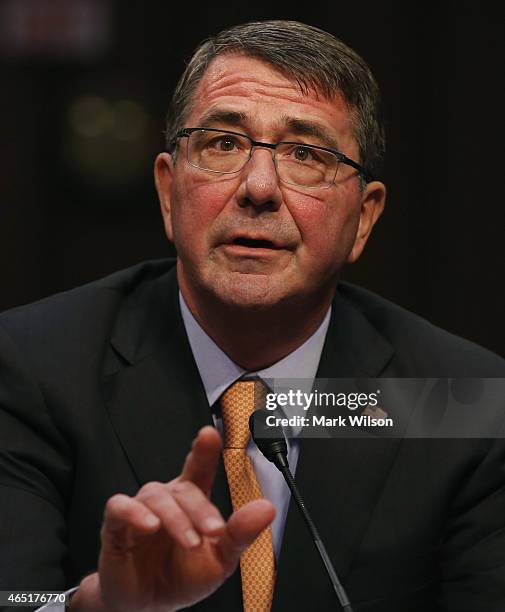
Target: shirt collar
{"type": "Point", "coordinates": [218, 371]}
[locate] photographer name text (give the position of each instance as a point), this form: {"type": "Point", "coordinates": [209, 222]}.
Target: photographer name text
{"type": "Point", "coordinates": [354, 420]}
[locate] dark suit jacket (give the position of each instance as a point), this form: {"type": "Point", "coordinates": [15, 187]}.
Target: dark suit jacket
{"type": "Point", "coordinates": [99, 394]}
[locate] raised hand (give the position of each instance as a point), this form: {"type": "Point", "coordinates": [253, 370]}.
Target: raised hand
{"type": "Point", "coordinates": [169, 547]}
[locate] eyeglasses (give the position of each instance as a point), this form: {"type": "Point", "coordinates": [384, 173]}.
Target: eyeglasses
{"type": "Point", "coordinates": [297, 163]}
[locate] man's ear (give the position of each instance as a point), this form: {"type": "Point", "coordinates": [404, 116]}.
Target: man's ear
{"type": "Point", "coordinates": [163, 177]}
{"type": "Point", "coordinates": [373, 199]}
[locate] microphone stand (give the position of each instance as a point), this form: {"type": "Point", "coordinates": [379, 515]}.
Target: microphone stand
{"type": "Point", "coordinates": [276, 451]}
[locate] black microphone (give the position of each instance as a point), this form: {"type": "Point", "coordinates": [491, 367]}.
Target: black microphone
{"type": "Point", "coordinates": [272, 443]}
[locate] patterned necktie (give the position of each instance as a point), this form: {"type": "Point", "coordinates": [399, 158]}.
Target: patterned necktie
{"type": "Point", "coordinates": [257, 563]}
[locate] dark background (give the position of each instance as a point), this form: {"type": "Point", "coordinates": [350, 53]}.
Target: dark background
{"type": "Point", "coordinates": [85, 85]}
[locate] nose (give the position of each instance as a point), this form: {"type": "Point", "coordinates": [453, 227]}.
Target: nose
{"type": "Point", "coordinates": [259, 185]}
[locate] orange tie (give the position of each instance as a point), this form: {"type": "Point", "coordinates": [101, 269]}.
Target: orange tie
{"type": "Point", "coordinates": [257, 563]}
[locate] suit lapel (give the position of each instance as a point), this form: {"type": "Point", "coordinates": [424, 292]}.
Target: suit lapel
{"type": "Point", "coordinates": [155, 397]}
{"type": "Point", "coordinates": [340, 479]}
{"type": "Point", "coordinates": [154, 393]}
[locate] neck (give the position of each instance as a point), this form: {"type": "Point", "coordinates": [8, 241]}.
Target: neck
{"type": "Point", "coordinates": [256, 339]}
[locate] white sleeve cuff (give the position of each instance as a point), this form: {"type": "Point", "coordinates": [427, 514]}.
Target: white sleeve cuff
{"type": "Point", "coordinates": [56, 606]}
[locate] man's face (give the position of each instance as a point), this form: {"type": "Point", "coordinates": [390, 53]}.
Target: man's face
{"type": "Point", "coordinates": [306, 234]}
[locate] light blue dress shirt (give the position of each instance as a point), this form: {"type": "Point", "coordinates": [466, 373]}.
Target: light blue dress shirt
{"type": "Point", "coordinates": [218, 372]}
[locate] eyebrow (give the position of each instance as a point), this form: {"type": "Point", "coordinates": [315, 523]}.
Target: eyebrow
{"type": "Point", "coordinates": [218, 115]}
{"type": "Point", "coordinates": [299, 127]}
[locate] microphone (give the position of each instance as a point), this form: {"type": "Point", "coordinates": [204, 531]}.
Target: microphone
{"type": "Point", "coordinates": [275, 449]}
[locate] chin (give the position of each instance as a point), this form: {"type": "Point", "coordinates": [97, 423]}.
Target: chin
{"type": "Point", "coordinates": [248, 291]}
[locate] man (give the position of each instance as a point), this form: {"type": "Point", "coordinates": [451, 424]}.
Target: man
{"type": "Point", "coordinates": [267, 192]}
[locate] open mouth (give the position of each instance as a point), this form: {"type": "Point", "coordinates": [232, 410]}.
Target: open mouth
{"type": "Point", "coordinates": [254, 244]}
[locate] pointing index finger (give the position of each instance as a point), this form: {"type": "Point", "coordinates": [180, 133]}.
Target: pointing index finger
{"type": "Point", "coordinates": [201, 462]}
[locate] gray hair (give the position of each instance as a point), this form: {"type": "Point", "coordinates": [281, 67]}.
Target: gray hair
{"type": "Point", "coordinates": [313, 58]}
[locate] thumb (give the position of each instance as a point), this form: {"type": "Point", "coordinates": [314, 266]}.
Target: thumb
{"type": "Point", "coordinates": [242, 528]}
